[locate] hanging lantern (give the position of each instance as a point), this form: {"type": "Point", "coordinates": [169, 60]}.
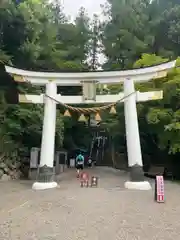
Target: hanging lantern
{"type": "Point", "coordinates": [112, 110]}
{"type": "Point", "coordinates": [97, 117]}
{"type": "Point", "coordinates": [67, 113]}
{"type": "Point", "coordinates": [82, 118]}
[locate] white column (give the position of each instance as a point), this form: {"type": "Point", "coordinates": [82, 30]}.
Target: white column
{"type": "Point", "coordinates": [132, 133]}
{"type": "Point", "coordinates": [49, 127]}
{"type": "Point", "coordinates": [131, 122]}
{"type": "Point", "coordinates": [48, 134]}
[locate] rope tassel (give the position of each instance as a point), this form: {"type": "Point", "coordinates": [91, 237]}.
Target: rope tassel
{"type": "Point", "coordinates": [82, 118]}
{"type": "Point", "coordinates": [97, 117]}
{"type": "Point", "coordinates": [67, 113]}
{"type": "Point", "coordinates": [112, 110]}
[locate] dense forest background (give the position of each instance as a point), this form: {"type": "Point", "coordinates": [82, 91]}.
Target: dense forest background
{"type": "Point", "coordinates": [37, 35]}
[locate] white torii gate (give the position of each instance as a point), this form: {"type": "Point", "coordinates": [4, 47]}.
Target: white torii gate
{"type": "Point", "coordinates": [52, 80]}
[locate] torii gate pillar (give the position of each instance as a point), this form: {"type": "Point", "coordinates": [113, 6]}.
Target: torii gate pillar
{"type": "Point", "coordinates": [133, 140]}
{"type": "Point", "coordinates": [46, 169]}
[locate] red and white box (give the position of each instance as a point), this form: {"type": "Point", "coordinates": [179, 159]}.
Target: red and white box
{"type": "Point", "coordinates": [84, 176]}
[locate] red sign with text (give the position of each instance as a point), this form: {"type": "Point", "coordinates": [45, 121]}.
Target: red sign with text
{"type": "Point", "coordinates": [160, 189]}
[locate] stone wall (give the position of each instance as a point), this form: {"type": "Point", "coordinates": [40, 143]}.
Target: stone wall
{"type": "Point", "coordinates": [9, 171]}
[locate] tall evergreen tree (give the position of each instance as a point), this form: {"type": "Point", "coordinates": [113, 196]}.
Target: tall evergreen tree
{"type": "Point", "coordinates": [126, 34]}
{"type": "Point", "coordinates": [94, 49]}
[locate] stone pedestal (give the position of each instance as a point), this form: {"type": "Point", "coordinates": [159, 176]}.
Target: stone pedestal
{"type": "Point", "coordinates": [145, 185]}
{"type": "Point", "coordinates": [45, 179]}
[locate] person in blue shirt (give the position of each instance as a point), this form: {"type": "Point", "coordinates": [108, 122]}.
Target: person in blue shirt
{"type": "Point", "coordinates": [79, 163]}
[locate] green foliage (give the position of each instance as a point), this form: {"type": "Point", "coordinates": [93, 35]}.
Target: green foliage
{"type": "Point", "coordinates": [36, 35]}
{"type": "Point", "coordinates": [163, 116]}
{"type": "Point", "coordinates": [148, 60]}
{"type": "Point", "coordinates": [126, 36]}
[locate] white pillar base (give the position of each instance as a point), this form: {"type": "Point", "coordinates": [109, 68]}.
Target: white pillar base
{"type": "Point", "coordinates": [138, 185]}
{"type": "Point", "coordinates": [43, 185]}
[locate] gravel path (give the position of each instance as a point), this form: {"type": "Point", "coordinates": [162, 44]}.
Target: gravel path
{"type": "Point", "coordinates": [73, 213]}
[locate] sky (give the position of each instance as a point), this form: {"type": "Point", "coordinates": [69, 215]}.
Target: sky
{"type": "Point", "coordinates": [71, 7]}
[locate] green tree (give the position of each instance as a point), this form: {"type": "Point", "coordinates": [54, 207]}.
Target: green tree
{"type": "Point", "coordinates": [163, 116]}
{"type": "Point", "coordinates": [94, 45]}
{"type": "Point", "coordinates": [36, 34]}
{"type": "Point", "coordinates": [126, 35]}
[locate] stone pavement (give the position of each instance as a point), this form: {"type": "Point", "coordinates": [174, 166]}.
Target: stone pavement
{"type": "Point", "coordinates": [73, 213]}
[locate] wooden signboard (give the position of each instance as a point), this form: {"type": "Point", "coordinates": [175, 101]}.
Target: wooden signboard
{"type": "Point", "coordinates": [159, 189]}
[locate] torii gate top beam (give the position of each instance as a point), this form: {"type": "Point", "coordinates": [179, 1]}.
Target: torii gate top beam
{"type": "Point", "coordinates": [77, 79]}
